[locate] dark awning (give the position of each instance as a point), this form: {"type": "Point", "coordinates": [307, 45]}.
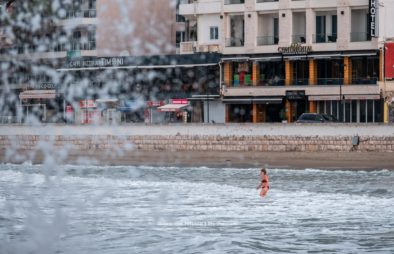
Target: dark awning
{"type": "Point", "coordinates": [203, 97]}
{"type": "Point", "coordinates": [250, 100]}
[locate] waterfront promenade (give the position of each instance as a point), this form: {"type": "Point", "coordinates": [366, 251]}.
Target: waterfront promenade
{"type": "Point", "coordinates": [241, 145]}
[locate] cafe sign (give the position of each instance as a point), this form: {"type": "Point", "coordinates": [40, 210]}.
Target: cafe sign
{"type": "Point", "coordinates": [295, 48]}
{"type": "Point", "coordinates": [100, 62]}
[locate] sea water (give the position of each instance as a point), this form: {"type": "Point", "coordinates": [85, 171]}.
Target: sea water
{"type": "Point", "coordinates": [127, 209]}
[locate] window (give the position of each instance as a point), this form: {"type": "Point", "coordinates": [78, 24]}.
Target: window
{"type": "Point", "coordinates": [214, 33]}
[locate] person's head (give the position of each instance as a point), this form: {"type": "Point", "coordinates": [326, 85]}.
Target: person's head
{"type": "Point", "coordinates": [263, 171]}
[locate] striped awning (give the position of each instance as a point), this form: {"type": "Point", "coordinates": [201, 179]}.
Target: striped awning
{"type": "Point", "coordinates": [172, 107]}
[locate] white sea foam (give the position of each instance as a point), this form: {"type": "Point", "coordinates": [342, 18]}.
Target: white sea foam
{"type": "Point", "coordinates": [151, 209]}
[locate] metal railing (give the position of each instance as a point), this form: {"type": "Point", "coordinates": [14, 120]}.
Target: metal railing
{"type": "Point", "coordinates": [301, 82]}
{"type": "Point", "coordinates": [271, 82]}
{"type": "Point", "coordinates": [234, 1]}
{"type": "Point", "coordinates": [187, 1]}
{"type": "Point", "coordinates": [365, 81]}
{"type": "Point", "coordinates": [267, 40]}
{"type": "Point", "coordinates": [299, 38]}
{"type": "Point", "coordinates": [78, 45]}
{"type": "Point", "coordinates": [324, 38]}
{"type": "Point", "coordinates": [73, 45]}
{"type": "Point", "coordinates": [234, 42]}
{"type": "Point", "coordinates": [329, 81]}
{"type": "Point", "coordinates": [359, 36]}
{"type": "Point", "coordinates": [90, 13]}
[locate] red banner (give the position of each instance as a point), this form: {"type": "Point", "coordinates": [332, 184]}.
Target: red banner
{"type": "Point", "coordinates": [179, 101]}
{"type": "Point", "coordinates": [389, 60]}
{"type": "Point", "coordinates": [87, 104]}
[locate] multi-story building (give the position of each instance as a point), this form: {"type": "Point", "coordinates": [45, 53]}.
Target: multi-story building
{"type": "Point", "coordinates": [104, 28]}
{"type": "Point", "coordinates": [283, 58]}
{"type": "Point", "coordinates": [94, 47]}
{"type": "Point", "coordinates": [386, 43]}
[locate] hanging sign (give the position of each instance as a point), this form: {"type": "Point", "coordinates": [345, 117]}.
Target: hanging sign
{"type": "Point", "coordinates": [372, 18]}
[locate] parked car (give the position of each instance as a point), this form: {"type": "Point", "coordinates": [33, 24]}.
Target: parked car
{"type": "Point", "coordinates": [316, 118]}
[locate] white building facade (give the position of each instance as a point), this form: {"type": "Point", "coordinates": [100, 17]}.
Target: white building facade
{"type": "Point", "coordinates": [283, 58]}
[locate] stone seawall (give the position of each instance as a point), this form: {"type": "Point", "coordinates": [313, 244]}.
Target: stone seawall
{"type": "Point", "coordinates": [250, 143]}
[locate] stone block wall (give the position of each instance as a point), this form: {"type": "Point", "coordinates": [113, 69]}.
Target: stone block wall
{"type": "Point", "coordinates": [199, 143]}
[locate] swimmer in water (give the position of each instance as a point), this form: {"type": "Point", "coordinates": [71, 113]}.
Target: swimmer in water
{"type": "Point", "coordinates": [264, 183]}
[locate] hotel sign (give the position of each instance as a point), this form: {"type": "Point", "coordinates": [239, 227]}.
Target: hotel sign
{"type": "Point", "coordinates": [295, 48]}
{"type": "Point", "coordinates": [372, 18]}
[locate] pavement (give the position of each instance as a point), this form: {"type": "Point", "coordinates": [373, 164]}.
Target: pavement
{"type": "Point", "coordinates": [215, 159]}
{"type": "Point", "coordinates": [247, 129]}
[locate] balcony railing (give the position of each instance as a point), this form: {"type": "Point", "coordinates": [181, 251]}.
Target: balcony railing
{"type": "Point", "coordinates": [301, 82]}
{"type": "Point", "coordinates": [299, 38]}
{"type": "Point", "coordinates": [91, 13]}
{"type": "Point", "coordinates": [359, 36]}
{"type": "Point", "coordinates": [74, 45]}
{"type": "Point", "coordinates": [234, 1]}
{"type": "Point", "coordinates": [329, 81]}
{"type": "Point", "coordinates": [234, 42]}
{"type": "Point", "coordinates": [324, 38]}
{"type": "Point", "coordinates": [267, 40]}
{"type": "Point", "coordinates": [266, 1]}
{"type": "Point", "coordinates": [187, 47]}
{"type": "Point", "coordinates": [365, 81]}
{"type": "Point", "coordinates": [271, 82]}
{"type": "Point", "coordinates": [78, 45]}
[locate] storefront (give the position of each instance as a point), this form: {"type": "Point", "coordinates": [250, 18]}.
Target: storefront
{"type": "Point", "coordinates": [352, 108]}
{"type": "Point", "coordinates": [301, 79]}
{"type": "Point", "coordinates": [253, 109]}
{"type": "Point", "coordinates": [38, 105]}
{"type": "Point", "coordinates": [177, 111]}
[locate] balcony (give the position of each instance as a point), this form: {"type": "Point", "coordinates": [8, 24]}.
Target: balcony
{"type": "Point", "coordinates": [90, 13]}
{"type": "Point", "coordinates": [329, 81]}
{"type": "Point", "coordinates": [324, 38]}
{"type": "Point", "coordinates": [265, 5]}
{"type": "Point", "coordinates": [299, 38]}
{"type": "Point", "coordinates": [191, 8]}
{"type": "Point", "coordinates": [359, 36]}
{"type": "Point", "coordinates": [190, 47]}
{"type": "Point", "coordinates": [234, 42]}
{"type": "Point", "coordinates": [78, 45]}
{"type": "Point", "coordinates": [329, 90]}
{"type": "Point", "coordinates": [30, 49]}
{"type": "Point", "coordinates": [234, 2]}
{"type": "Point", "coordinates": [271, 82]}
{"type": "Point", "coordinates": [267, 40]}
